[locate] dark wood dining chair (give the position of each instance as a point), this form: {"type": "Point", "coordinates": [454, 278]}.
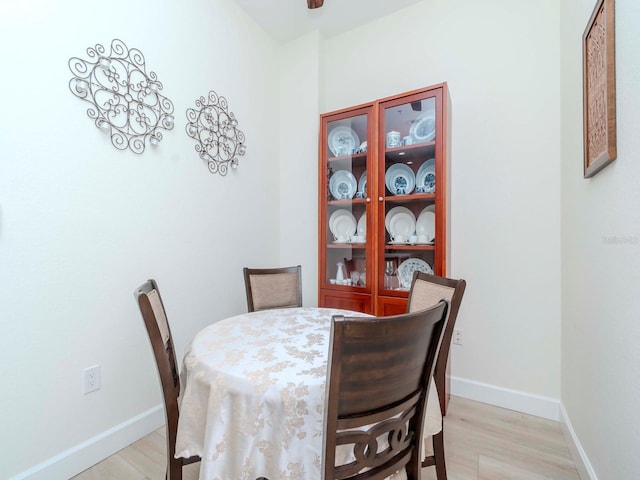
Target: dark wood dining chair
{"type": "Point", "coordinates": [273, 287]}
{"type": "Point", "coordinates": [427, 290]}
{"type": "Point", "coordinates": [380, 370]}
{"type": "Point", "coordinates": [155, 319]}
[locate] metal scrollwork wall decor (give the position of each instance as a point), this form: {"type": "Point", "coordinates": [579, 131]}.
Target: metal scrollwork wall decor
{"type": "Point", "coordinates": [215, 129]}
{"type": "Point", "coordinates": [126, 101]}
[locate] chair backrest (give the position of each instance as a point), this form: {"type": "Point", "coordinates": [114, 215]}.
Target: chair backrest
{"type": "Point", "coordinates": [378, 381]}
{"type": "Point", "coordinates": [426, 291]}
{"type": "Point", "coordinates": [273, 287]}
{"type": "Point", "coordinates": [155, 319]}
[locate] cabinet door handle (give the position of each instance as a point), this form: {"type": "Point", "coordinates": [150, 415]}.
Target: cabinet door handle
{"type": "Point", "coordinates": [380, 199]}
{"type": "Point", "coordinates": [368, 200]}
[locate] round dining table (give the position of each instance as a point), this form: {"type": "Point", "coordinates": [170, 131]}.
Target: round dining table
{"type": "Point", "coordinates": [253, 396]}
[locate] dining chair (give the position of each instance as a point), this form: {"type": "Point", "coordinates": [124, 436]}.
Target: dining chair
{"type": "Point", "coordinates": [379, 375]}
{"type": "Point", "coordinates": [427, 290]}
{"type": "Point", "coordinates": [273, 287]}
{"type": "Point", "coordinates": [155, 319]}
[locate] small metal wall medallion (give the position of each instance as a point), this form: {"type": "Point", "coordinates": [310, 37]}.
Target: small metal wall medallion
{"type": "Point", "coordinates": [211, 124]}
{"type": "Point", "coordinates": [126, 101]}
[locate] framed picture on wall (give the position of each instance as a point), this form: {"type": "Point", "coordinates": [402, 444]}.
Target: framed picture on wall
{"type": "Point", "coordinates": [599, 89]}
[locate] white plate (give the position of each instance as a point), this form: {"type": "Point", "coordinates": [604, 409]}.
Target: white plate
{"type": "Point", "coordinates": [426, 223]}
{"type": "Point", "coordinates": [362, 225]}
{"type": "Point", "coordinates": [343, 140]}
{"type": "Point", "coordinates": [426, 176]}
{"type": "Point", "coordinates": [344, 225]}
{"type": "Point", "coordinates": [400, 179]}
{"type": "Point", "coordinates": [338, 213]}
{"type": "Point", "coordinates": [391, 213]}
{"type": "Point", "coordinates": [402, 224]}
{"type": "Point", "coordinates": [342, 185]}
{"type": "Point", "coordinates": [423, 128]}
{"type": "Point", "coordinates": [410, 265]}
{"type": "Point", "coordinates": [362, 184]}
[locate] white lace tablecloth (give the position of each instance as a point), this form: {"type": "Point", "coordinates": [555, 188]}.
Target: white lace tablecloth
{"type": "Point", "coordinates": [253, 395]}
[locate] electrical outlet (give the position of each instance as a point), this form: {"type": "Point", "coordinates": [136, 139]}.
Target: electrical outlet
{"type": "Point", "coordinates": [457, 336]}
{"type": "Point", "coordinates": [91, 379]}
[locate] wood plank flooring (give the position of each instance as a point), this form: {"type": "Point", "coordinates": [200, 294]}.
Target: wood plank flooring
{"type": "Point", "coordinates": [482, 442]}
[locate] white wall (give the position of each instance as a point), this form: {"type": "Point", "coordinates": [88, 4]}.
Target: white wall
{"type": "Point", "coordinates": [82, 224]}
{"type": "Point", "coordinates": [299, 111]}
{"type": "Point", "coordinates": [501, 61]}
{"type": "Point", "coordinates": [600, 258]}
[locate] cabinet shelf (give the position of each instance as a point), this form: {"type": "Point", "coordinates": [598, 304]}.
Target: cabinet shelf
{"type": "Point", "coordinates": [388, 246]}
{"type": "Point", "coordinates": [412, 197]}
{"type": "Point", "coordinates": [411, 153]}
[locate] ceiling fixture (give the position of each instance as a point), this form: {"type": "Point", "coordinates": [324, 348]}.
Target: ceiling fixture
{"type": "Point", "coordinates": [314, 3]}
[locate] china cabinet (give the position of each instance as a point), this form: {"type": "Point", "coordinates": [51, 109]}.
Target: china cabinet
{"type": "Point", "coordinates": [383, 199]}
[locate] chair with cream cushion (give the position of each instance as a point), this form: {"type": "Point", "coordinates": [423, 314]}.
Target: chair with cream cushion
{"type": "Point", "coordinates": [427, 290]}
{"type": "Point", "coordinates": [379, 373]}
{"type": "Point", "coordinates": [155, 319]}
{"type": "Point", "coordinates": [273, 287]}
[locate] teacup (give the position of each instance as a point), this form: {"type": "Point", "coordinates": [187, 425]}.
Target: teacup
{"type": "Point", "coordinates": [421, 189]}
{"type": "Point", "coordinates": [341, 239]}
{"type": "Point", "coordinates": [423, 238]}
{"type": "Point", "coordinates": [399, 239]}
{"type": "Point", "coordinates": [393, 139]}
{"type": "Point", "coordinates": [353, 239]}
{"type": "Point", "coordinates": [361, 239]}
{"type": "Point", "coordinates": [407, 140]}
{"type": "Point", "coordinates": [413, 239]}
{"type": "Point", "coordinates": [359, 194]}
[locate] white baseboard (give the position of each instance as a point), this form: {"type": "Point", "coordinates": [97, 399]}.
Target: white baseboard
{"type": "Point", "coordinates": [545, 407]}
{"type": "Point", "coordinates": [86, 454]}
{"type": "Point", "coordinates": [580, 459]}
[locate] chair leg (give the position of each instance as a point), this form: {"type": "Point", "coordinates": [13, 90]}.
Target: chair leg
{"type": "Point", "coordinates": [438, 453]}
{"type": "Point", "coordinates": [174, 470]}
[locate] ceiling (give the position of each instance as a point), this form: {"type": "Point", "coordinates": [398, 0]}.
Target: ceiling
{"type": "Point", "coordinates": [285, 20]}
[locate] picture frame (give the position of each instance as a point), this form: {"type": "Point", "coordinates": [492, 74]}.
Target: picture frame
{"type": "Point", "coordinates": [599, 89]}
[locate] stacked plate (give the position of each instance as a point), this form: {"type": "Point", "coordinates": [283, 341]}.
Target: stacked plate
{"type": "Point", "coordinates": [400, 221]}
{"type": "Point", "coordinates": [342, 224]}
{"type": "Point", "coordinates": [343, 140]}
{"type": "Point", "coordinates": [423, 128]}
{"type": "Point", "coordinates": [362, 184]}
{"type": "Point", "coordinates": [426, 224]}
{"type": "Point", "coordinates": [426, 177]}
{"type": "Point", "coordinates": [362, 225]}
{"type": "Point", "coordinates": [342, 185]}
{"type": "Point", "coordinates": [400, 179]}
{"type": "Point", "coordinates": [406, 269]}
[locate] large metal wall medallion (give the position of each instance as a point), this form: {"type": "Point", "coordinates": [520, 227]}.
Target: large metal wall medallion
{"type": "Point", "coordinates": [220, 142]}
{"type": "Point", "coordinates": [126, 101]}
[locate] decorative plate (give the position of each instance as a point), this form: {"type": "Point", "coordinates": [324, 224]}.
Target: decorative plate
{"type": "Point", "coordinates": [362, 225]}
{"type": "Point", "coordinates": [343, 140]}
{"type": "Point", "coordinates": [362, 184]}
{"type": "Point", "coordinates": [391, 213]}
{"type": "Point", "coordinates": [338, 213]}
{"type": "Point", "coordinates": [400, 179]}
{"type": "Point", "coordinates": [426, 223]}
{"type": "Point", "coordinates": [426, 176]}
{"type": "Point", "coordinates": [342, 223]}
{"type": "Point", "coordinates": [402, 224]}
{"type": "Point", "coordinates": [423, 128]}
{"type": "Point", "coordinates": [410, 265]}
{"type": "Point", "coordinates": [342, 185]}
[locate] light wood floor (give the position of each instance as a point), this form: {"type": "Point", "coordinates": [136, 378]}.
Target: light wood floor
{"type": "Point", "coordinates": [482, 442]}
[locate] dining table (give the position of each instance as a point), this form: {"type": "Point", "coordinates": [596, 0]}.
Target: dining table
{"type": "Point", "coordinates": [253, 390]}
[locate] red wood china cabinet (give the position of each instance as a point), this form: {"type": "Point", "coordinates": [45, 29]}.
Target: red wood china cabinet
{"type": "Point", "coordinates": [384, 194]}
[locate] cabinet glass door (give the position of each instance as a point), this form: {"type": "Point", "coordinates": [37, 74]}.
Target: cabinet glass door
{"type": "Point", "coordinates": [409, 186]}
{"type": "Point", "coordinates": [346, 204]}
